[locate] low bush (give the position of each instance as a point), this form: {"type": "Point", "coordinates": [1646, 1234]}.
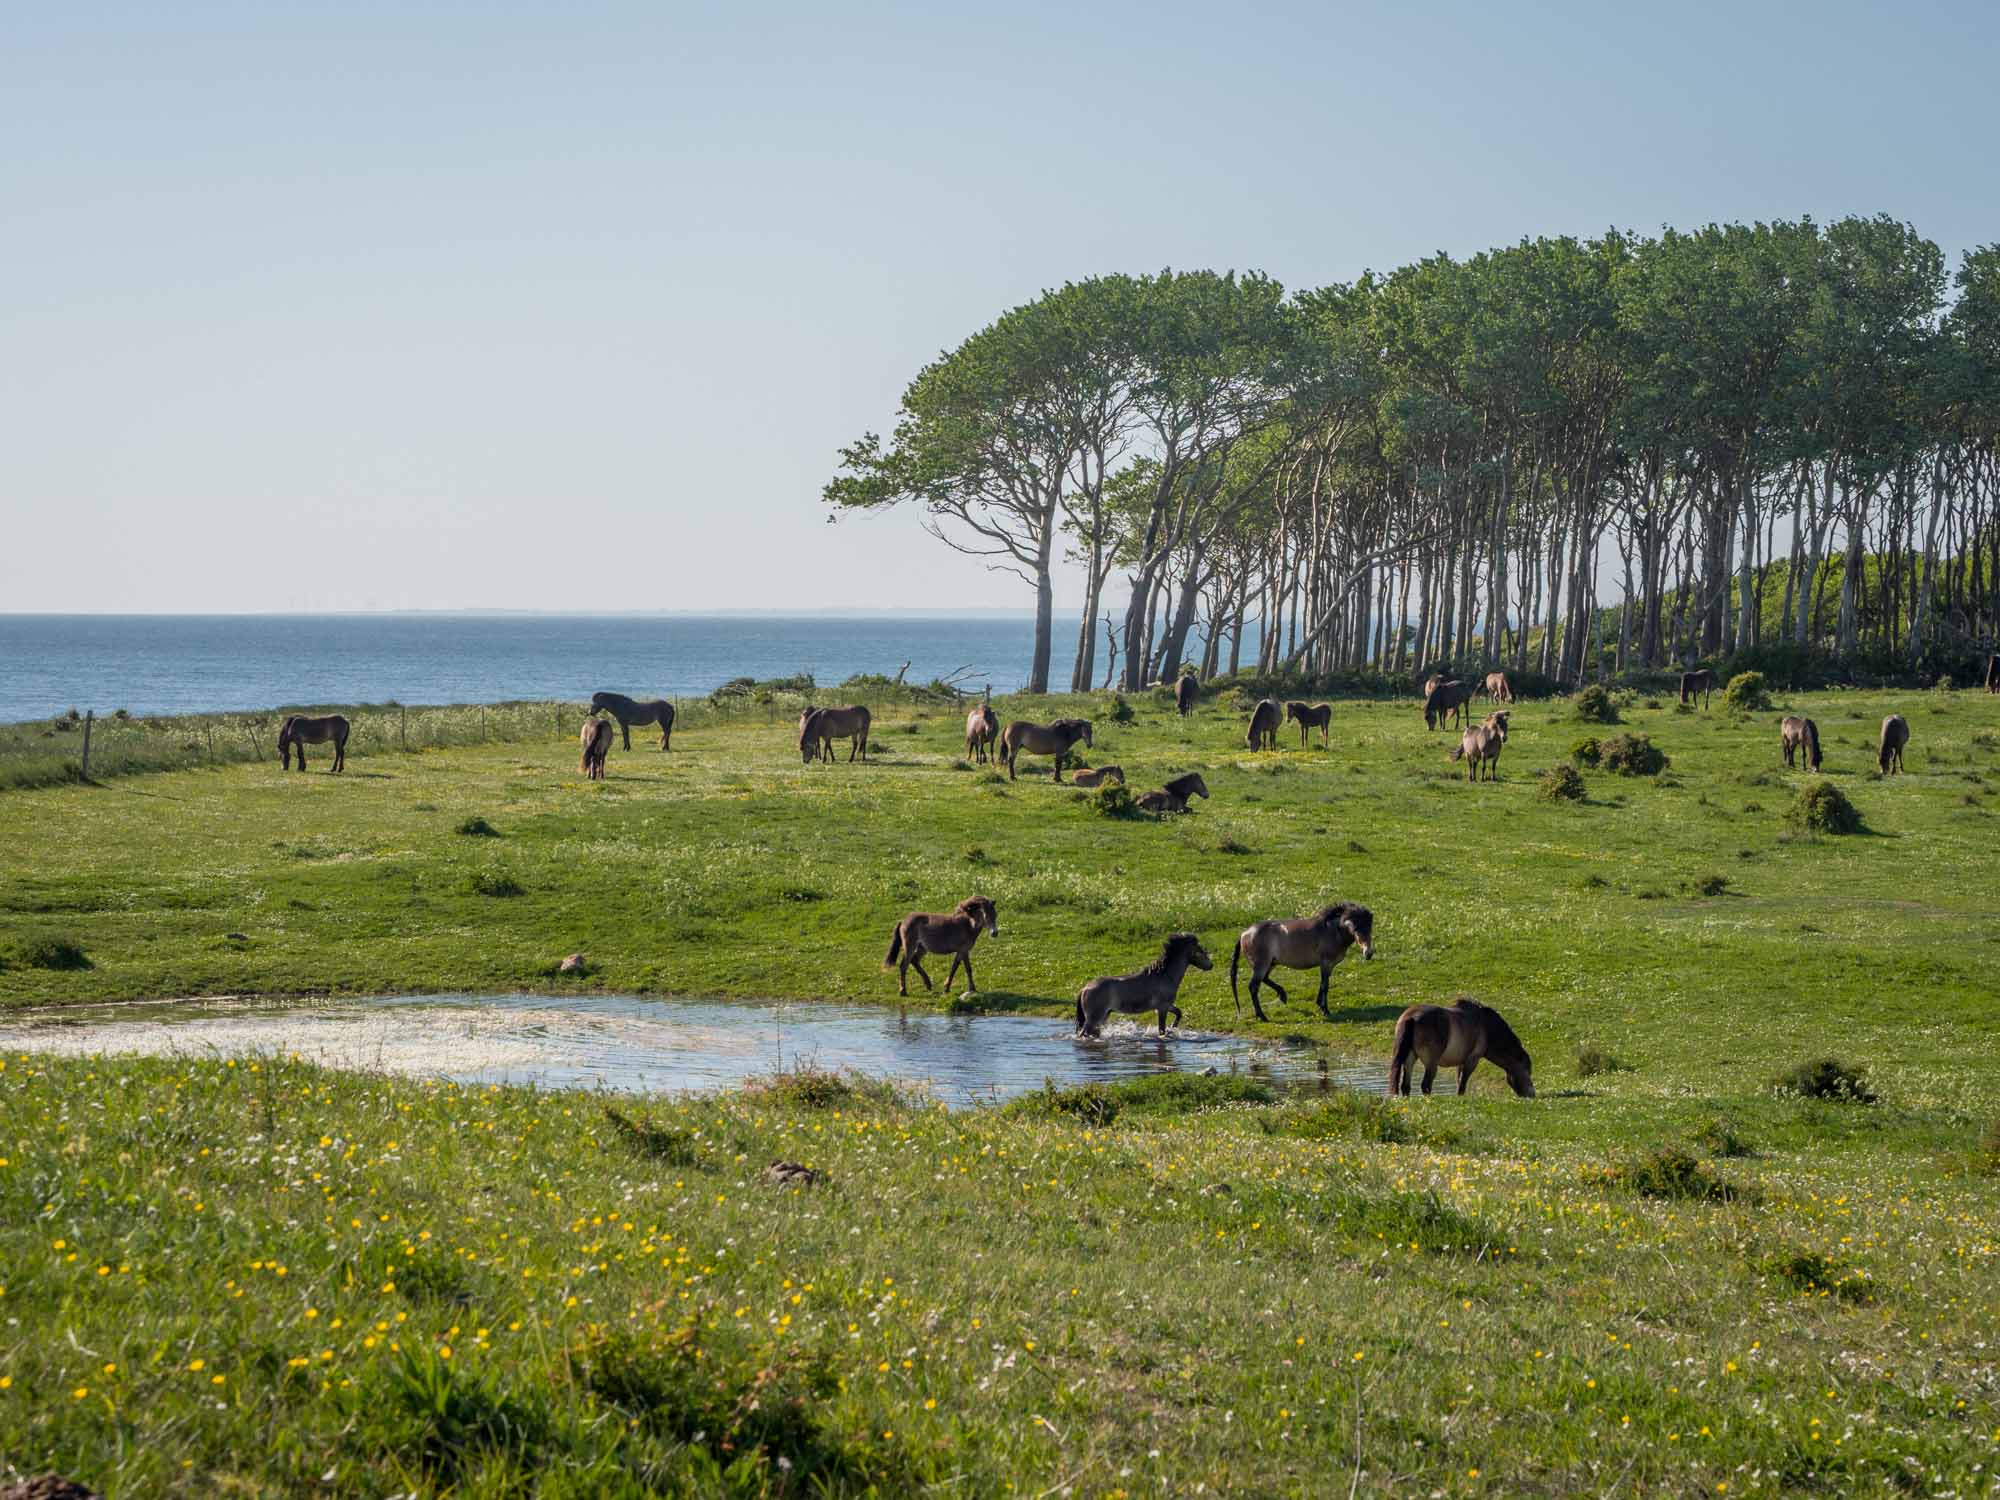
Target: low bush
{"type": "Point", "coordinates": [1747, 693]}
{"type": "Point", "coordinates": [1822, 807]}
{"type": "Point", "coordinates": [1633, 755]}
{"type": "Point", "coordinates": [1113, 800]}
{"type": "Point", "coordinates": [1120, 712]}
{"type": "Point", "coordinates": [1561, 783]}
{"type": "Point", "coordinates": [1825, 1078]}
{"type": "Point", "coordinates": [477, 828]}
{"type": "Point", "coordinates": [1668, 1171]}
{"type": "Point", "coordinates": [1719, 1137]}
{"type": "Point", "coordinates": [493, 883]}
{"type": "Point", "coordinates": [1812, 1273]}
{"type": "Point", "coordinates": [1591, 1060]}
{"type": "Point", "coordinates": [808, 1087]}
{"type": "Point", "coordinates": [1586, 751]}
{"type": "Point", "coordinates": [57, 953]}
{"type": "Point", "coordinates": [1348, 1113]}
{"type": "Point", "coordinates": [1594, 706]}
{"type": "Point", "coordinates": [1709, 885]}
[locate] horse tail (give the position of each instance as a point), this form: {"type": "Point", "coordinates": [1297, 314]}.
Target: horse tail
{"type": "Point", "coordinates": [1458, 751]}
{"type": "Point", "coordinates": [1401, 1054]}
{"type": "Point", "coordinates": [1235, 953]}
{"type": "Point", "coordinates": [895, 945]}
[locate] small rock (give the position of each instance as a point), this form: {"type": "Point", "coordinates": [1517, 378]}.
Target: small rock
{"type": "Point", "coordinates": [576, 963]}
{"type": "Point", "coordinates": [236, 937]}
{"type": "Point", "coordinates": [792, 1174]}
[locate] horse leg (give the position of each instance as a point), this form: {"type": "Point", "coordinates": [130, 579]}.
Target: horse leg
{"type": "Point", "coordinates": [1163, 1019]}
{"type": "Point", "coordinates": [917, 963]}
{"type": "Point", "coordinates": [971, 984]}
{"type": "Point", "coordinates": [1283, 998]}
{"type": "Point", "coordinates": [626, 730]}
{"type": "Point", "coordinates": [1255, 980]}
{"type": "Point", "coordinates": [1430, 1075]}
{"type": "Point", "coordinates": [1325, 975]}
{"type": "Point", "coordinates": [1465, 1075]}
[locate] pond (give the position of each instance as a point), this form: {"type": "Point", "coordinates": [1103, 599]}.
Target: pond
{"type": "Point", "coordinates": [634, 1045]}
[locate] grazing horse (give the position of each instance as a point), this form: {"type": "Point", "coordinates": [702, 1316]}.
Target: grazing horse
{"type": "Point", "coordinates": [596, 741]}
{"type": "Point", "coordinates": [1152, 988]}
{"type": "Point", "coordinates": [299, 731]}
{"type": "Point", "coordinates": [1497, 689]}
{"type": "Point", "coordinates": [1481, 747]}
{"type": "Point", "coordinates": [982, 728]}
{"type": "Point", "coordinates": [1311, 716]}
{"type": "Point", "coordinates": [1448, 699]}
{"type": "Point", "coordinates": [627, 713]}
{"type": "Point", "coordinates": [952, 932]}
{"type": "Point", "coordinates": [820, 727]}
{"type": "Point", "coordinates": [1795, 734]}
{"type": "Point", "coordinates": [1457, 1036]}
{"type": "Point", "coordinates": [1895, 735]}
{"type": "Point", "coordinates": [1264, 722]}
{"type": "Point", "coordinates": [1700, 683]}
{"type": "Point", "coordinates": [1041, 739]}
{"type": "Point", "coordinates": [1186, 691]}
{"type": "Point", "coordinates": [1315, 942]}
{"type": "Point", "coordinates": [1432, 682]}
{"type": "Point", "coordinates": [1084, 776]}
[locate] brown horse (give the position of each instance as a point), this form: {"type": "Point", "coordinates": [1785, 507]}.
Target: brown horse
{"type": "Point", "coordinates": [1480, 746]}
{"type": "Point", "coordinates": [1152, 988]}
{"type": "Point", "coordinates": [1496, 688]}
{"type": "Point", "coordinates": [982, 728]}
{"type": "Point", "coordinates": [1264, 722]}
{"type": "Point", "coordinates": [820, 727]}
{"type": "Point", "coordinates": [1795, 734]}
{"type": "Point", "coordinates": [1457, 1036]}
{"type": "Point", "coordinates": [1161, 801]}
{"type": "Point", "coordinates": [299, 731]}
{"type": "Point", "coordinates": [1697, 684]}
{"type": "Point", "coordinates": [1895, 735]}
{"type": "Point", "coordinates": [1041, 739]}
{"type": "Point", "coordinates": [1186, 691]}
{"type": "Point", "coordinates": [627, 713]}
{"type": "Point", "coordinates": [1189, 785]}
{"type": "Point", "coordinates": [952, 932]}
{"type": "Point", "coordinates": [595, 739]}
{"type": "Point", "coordinates": [1448, 699]}
{"type": "Point", "coordinates": [1315, 942]}
{"type": "Point", "coordinates": [1311, 716]}
{"type": "Point", "coordinates": [1084, 776]}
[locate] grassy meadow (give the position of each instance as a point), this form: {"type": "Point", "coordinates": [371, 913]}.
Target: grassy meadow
{"type": "Point", "coordinates": [1666, 1275]}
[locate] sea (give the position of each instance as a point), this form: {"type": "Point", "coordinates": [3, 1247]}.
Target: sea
{"type": "Point", "coordinates": [172, 664]}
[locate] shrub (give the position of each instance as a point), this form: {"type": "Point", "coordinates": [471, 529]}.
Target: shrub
{"type": "Point", "coordinates": [1561, 783]}
{"type": "Point", "coordinates": [662, 1143]}
{"type": "Point", "coordinates": [1826, 1078]}
{"type": "Point", "coordinates": [1114, 800]}
{"type": "Point", "coordinates": [478, 828]}
{"type": "Point", "coordinates": [1594, 706]}
{"type": "Point", "coordinates": [50, 953]}
{"type": "Point", "coordinates": [1746, 693]}
{"type": "Point", "coordinates": [1633, 755]}
{"type": "Point", "coordinates": [1718, 1137]}
{"type": "Point", "coordinates": [1822, 807]}
{"type": "Point", "coordinates": [1815, 1275]}
{"type": "Point", "coordinates": [1710, 885]}
{"type": "Point", "coordinates": [1669, 1171]}
{"type": "Point", "coordinates": [1586, 751]}
{"type": "Point", "coordinates": [492, 883]}
{"type": "Point", "coordinates": [1592, 1060]}
{"type": "Point", "coordinates": [808, 1087]}
{"type": "Point", "coordinates": [972, 854]}
{"type": "Point", "coordinates": [1121, 711]}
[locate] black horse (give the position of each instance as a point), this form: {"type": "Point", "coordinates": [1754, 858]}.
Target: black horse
{"type": "Point", "coordinates": [627, 713]}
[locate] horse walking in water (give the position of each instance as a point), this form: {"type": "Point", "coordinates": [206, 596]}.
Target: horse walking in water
{"type": "Point", "coordinates": [1481, 747]}
{"type": "Point", "coordinates": [982, 728]}
{"type": "Point", "coordinates": [1796, 734]}
{"type": "Point", "coordinates": [1697, 684]}
{"type": "Point", "coordinates": [1895, 735]}
{"type": "Point", "coordinates": [1152, 988]}
{"type": "Point", "coordinates": [1186, 691]}
{"type": "Point", "coordinates": [1457, 1036]}
{"type": "Point", "coordinates": [595, 738]}
{"type": "Point", "coordinates": [629, 712]}
{"type": "Point", "coordinates": [1041, 739]}
{"type": "Point", "coordinates": [1316, 942]}
{"type": "Point", "coordinates": [820, 727]}
{"type": "Point", "coordinates": [299, 731]}
{"type": "Point", "coordinates": [952, 932]}
{"type": "Point", "coordinates": [1311, 716]}
{"type": "Point", "coordinates": [1448, 700]}
{"type": "Point", "coordinates": [1264, 722]}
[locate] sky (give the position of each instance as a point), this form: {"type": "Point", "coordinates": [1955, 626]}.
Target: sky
{"type": "Point", "coordinates": [571, 307]}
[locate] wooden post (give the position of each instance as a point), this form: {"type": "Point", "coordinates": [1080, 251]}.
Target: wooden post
{"type": "Point", "coordinates": [89, 717]}
{"type": "Point", "coordinates": [403, 726]}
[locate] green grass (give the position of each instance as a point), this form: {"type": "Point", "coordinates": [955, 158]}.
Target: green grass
{"type": "Point", "coordinates": [1196, 1267]}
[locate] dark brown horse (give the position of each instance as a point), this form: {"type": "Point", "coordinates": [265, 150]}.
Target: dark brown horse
{"type": "Point", "coordinates": [1457, 1036]}
{"type": "Point", "coordinates": [1497, 689]}
{"type": "Point", "coordinates": [1186, 691]}
{"type": "Point", "coordinates": [595, 739]}
{"type": "Point", "coordinates": [1041, 739]}
{"type": "Point", "coordinates": [1697, 684]}
{"type": "Point", "coordinates": [952, 932]}
{"type": "Point", "coordinates": [1189, 785]}
{"type": "Point", "coordinates": [820, 727]}
{"type": "Point", "coordinates": [1895, 735]}
{"type": "Point", "coordinates": [1085, 776]}
{"type": "Point", "coordinates": [1316, 942]}
{"type": "Point", "coordinates": [300, 730]}
{"type": "Point", "coordinates": [1152, 988]}
{"type": "Point", "coordinates": [629, 712]}
{"type": "Point", "coordinates": [1448, 700]}
{"type": "Point", "coordinates": [1160, 802]}
{"type": "Point", "coordinates": [1795, 734]}
{"type": "Point", "coordinates": [1264, 722]}
{"type": "Point", "coordinates": [982, 728]}
{"type": "Point", "coordinates": [1311, 716]}
{"type": "Point", "coordinates": [1480, 746]}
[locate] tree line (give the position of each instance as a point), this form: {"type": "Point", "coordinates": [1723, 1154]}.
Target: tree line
{"type": "Point", "coordinates": [1746, 436]}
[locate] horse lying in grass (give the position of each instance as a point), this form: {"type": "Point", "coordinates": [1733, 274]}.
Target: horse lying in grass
{"type": "Point", "coordinates": [1264, 722]}
{"type": "Point", "coordinates": [299, 731]}
{"type": "Point", "coordinates": [1480, 746]}
{"type": "Point", "coordinates": [820, 727]}
{"type": "Point", "coordinates": [1311, 716]}
{"type": "Point", "coordinates": [982, 729]}
{"type": "Point", "coordinates": [1895, 735]}
{"type": "Point", "coordinates": [1316, 942]}
{"type": "Point", "coordinates": [1160, 802]}
{"type": "Point", "coordinates": [1152, 988]}
{"type": "Point", "coordinates": [1041, 739]}
{"type": "Point", "coordinates": [1085, 776]}
{"type": "Point", "coordinates": [1457, 1036]}
{"type": "Point", "coordinates": [1796, 734]}
{"type": "Point", "coordinates": [952, 932]}
{"type": "Point", "coordinates": [628, 712]}
{"type": "Point", "coordinates": [1448, 700]}
{"type": "Point", "coordinates": [595, 739]}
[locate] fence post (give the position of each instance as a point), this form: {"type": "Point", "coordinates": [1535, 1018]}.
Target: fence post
{"type": "Point", "coordinates": [89, 716]}
{"type": "Point", "coordinates": [403, 726]}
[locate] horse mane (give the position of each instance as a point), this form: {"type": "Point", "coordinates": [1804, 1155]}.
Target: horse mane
{"type": "Point", "coordinates": [1180, 942]}
{"type": "Point", "coordinates": [1499, 1031]}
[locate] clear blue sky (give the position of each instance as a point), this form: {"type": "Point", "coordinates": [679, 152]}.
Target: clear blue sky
{"type": "Point", "coordinates": [570, 306]}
